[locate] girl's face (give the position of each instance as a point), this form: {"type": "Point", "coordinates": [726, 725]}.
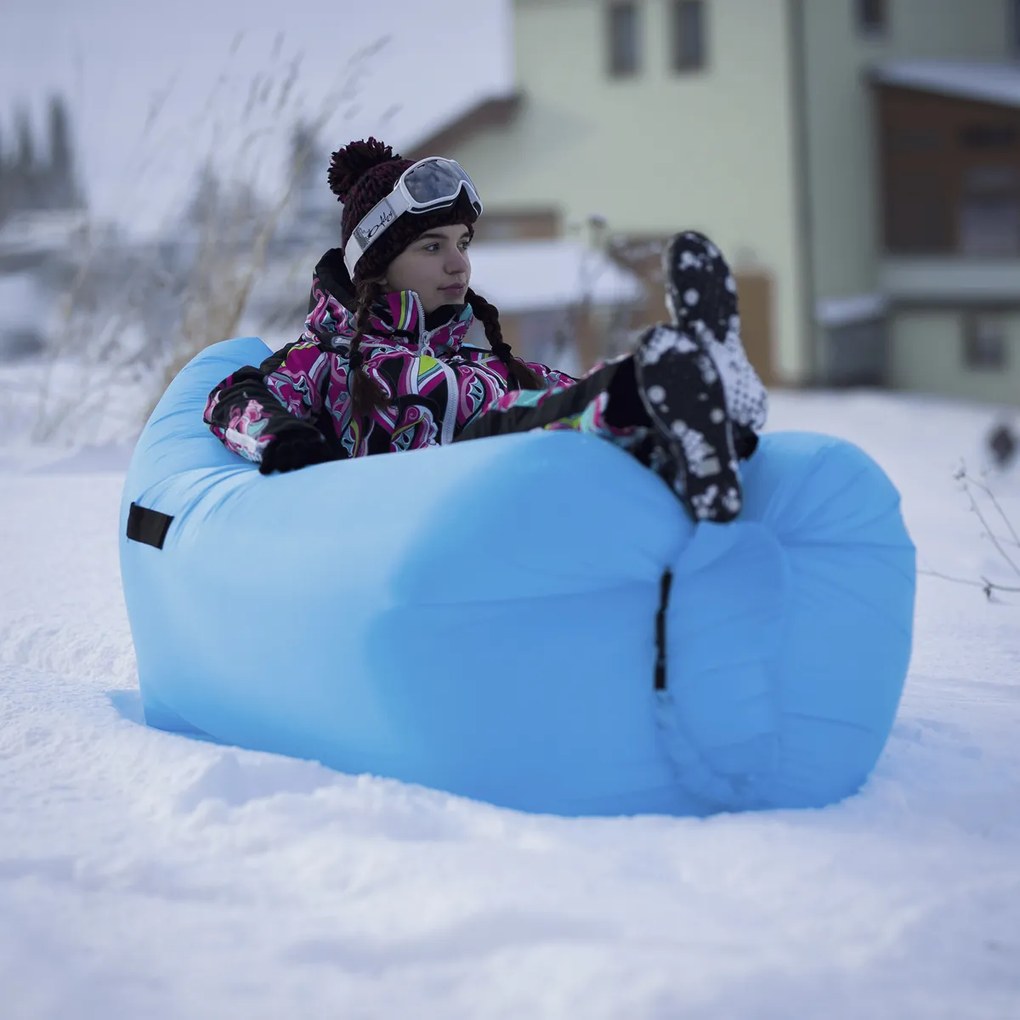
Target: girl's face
{"type": "Point", "coordinates": [435, 265]}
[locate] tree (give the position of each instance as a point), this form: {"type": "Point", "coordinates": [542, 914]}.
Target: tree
{"type": "Point", "coordinates": [23, 185]}
{"type": "Point", "coordinates": [36, 177]}
{"type": "Point", "coordinates": [24, 152]}
{"type": "Point", "coordinates": [304, 147]}
{"type": "Point", "coordinates": [62, 191]}
{"type": "Point", "coordinates": [204, 204]}
{"type": "Point", "coordinates": [5, 182]}
{"type": "Point", "coordinates": [309, 197]}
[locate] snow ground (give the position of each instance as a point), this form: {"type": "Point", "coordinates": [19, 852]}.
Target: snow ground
{"type": "Point", "coordinates": [145, 874]}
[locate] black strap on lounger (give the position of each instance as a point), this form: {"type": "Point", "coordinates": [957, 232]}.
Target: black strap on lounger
{"type": "Point", "coordinates": [148, 526]}
{"type": "Point", "coordinates": [660, 631]}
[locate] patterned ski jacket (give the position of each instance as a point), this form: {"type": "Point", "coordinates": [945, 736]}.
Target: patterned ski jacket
{"type": "Point", "coordinates": [435, 383]}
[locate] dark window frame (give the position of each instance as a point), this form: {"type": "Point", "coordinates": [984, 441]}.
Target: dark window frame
{"type": "Point", "coordinates": [872, 18]}
{"type": "Point", "coordinates": [688, 49]}
{"type": "Point", "coordinates": [620, 62]}
{"type": "Point", "coordinates": [988, 211]}
{"type": "Point", "coordinates": [985, 353]}
{"type": "Point", "coordinates": [950, 172]}
{"type": "Point", "coordinates": [989, 135]}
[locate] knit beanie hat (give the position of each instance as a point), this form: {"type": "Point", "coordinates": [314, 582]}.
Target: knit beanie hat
{"type": "Point", "coordinates": [363, 173]}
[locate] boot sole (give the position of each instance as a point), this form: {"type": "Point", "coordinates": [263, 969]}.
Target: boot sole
{"type": "Point", "coordinates": [683, 395]}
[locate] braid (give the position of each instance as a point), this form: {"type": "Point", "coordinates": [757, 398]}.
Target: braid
{"type": "Point", "coordinates": [366, 394]}
{"type": "Point", "coordinates": [488, 314]}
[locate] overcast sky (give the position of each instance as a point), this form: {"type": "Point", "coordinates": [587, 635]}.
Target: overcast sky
{"type": "Point", "coordinates": [155, 88]}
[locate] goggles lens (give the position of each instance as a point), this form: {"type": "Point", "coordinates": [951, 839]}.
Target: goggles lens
{"type": "Point", "coordinates": [436, 181]}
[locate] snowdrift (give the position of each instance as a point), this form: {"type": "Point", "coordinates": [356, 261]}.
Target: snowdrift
{"type": "Point", "coordinates": [528, 620]}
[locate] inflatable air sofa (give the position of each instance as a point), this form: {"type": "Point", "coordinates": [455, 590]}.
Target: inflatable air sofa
{"type": "Point", "coordinates": [528, 620]}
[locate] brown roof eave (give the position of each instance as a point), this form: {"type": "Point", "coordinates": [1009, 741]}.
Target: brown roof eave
{"type": "Point", "coordinates": [493, 113]}
{"type": "Point", "coordinates": [989, 84]}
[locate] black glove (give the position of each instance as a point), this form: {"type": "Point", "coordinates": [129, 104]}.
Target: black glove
{"type": "Point", "coordinates": [745, 439]}
{"type": "Point", "coordinates": [295, 448]}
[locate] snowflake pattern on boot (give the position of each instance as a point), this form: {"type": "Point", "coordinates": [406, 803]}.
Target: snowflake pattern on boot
{"type": "Point", "coordinates": [683, 395]}
{"type": "Point", "coordinates": [701, 295]}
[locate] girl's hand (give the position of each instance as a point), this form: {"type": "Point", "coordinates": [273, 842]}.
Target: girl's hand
{"type": "Point", "coordinates": [295, 448]}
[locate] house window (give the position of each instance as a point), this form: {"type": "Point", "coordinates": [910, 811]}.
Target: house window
{"type": "Point", "coordinates": [624, 42]}
{"type": "Point", "coordinates": [872, 17]}
{"type": "Point", "coordinates": [913, 138]}
{"type": "Point", "coordinates": [919, 216]}
{"type": "Point", "coordinates": [984, 341]}
{"type": "Point", "coordinates": [688, 35]}
{"type": "Point", "coordinates": [989, 136]}
{"type": "Point", "coordinates": [989, 217]}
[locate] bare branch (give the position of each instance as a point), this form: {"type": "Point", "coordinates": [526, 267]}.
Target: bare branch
{"type": "Point", "coordinates": [985, 488]}
{"type": "Point", "coordinates": [990, 586]}
{"type": "Point", "coordinates": [968, 484]}
{"type": "Point", "coordinates": [948, 577]}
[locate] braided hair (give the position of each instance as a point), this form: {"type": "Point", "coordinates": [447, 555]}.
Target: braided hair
{"type": "Point", "coordinates": [488, 315]}
{"type": "Point", "coordinates": [366, 393]}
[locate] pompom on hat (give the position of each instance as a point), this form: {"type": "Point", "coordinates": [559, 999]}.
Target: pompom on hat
{"type": "Point", "coordinates": [363, 173]}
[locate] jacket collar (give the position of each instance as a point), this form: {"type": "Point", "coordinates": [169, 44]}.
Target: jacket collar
{"type": "Point", "coordinates": [396, 318]}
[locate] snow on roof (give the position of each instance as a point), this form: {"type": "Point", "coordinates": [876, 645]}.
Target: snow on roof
{"type": "Point", "coordinates": [41, 230]}
{"type": "Point", "coordinates": [985, 81]}
{"type": "Point", "coordinates": [19, 301]}
{"type": "Point", "coordinates": [845, 311]}
{"type": "Point", "coordinates": [521, 276]}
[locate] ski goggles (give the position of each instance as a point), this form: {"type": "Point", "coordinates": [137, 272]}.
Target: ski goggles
{"type": "Point", "coordinates": [432, 183]}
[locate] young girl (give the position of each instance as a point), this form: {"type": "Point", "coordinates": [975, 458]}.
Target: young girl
{"type": "Point", "coordinates": [383, 364]}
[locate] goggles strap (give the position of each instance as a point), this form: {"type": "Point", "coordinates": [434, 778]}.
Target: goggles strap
{"type": "Point", "coordinates": [372, 225]}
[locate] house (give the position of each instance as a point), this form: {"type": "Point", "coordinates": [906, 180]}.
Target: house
{"type": "Point", "coordinates": [949, 140]}
{"type": "Point", "coordinates": [866, 250]}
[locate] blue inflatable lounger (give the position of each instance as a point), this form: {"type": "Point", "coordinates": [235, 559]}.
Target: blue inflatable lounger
{"type": "Point", "coordinates": [529, 620]}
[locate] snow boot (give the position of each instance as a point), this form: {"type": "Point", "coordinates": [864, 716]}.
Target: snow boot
{"type": "Point", "coordinates": [683, 396]}
{"type": "Point", "coordinates": [701, 295]}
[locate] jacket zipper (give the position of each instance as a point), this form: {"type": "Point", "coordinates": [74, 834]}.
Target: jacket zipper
{"type": "Point", "coordinates": [450, 419]}
{"type": "Point", "coordinates": [452, 394]}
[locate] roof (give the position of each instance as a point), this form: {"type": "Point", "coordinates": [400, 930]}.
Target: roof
{"type": "Point", "coordinates": [42, 230]}
{"type": "Point", "coordinates": [20, 294]}
{"type": "Point", "coordinates": [496, 111]}
{"type": "Point", "coordinates": [532, 275]}
{"type": "Point", "coordinates": [845, 311]}
{"type": "Point", "coordinates": [983, 81]}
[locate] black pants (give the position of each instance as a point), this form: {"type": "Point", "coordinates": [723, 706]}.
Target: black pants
{"type": "Point", "coordinates": [624, 409]}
